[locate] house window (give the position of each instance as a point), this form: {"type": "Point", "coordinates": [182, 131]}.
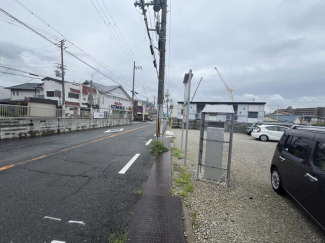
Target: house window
{"type": "Point", "coordinates": [50, 93]}
{"type": "Point", "coordinates": [73, 95]}
{"type": "Point", "coordinates": [252, 114]}
{"type": "Point", "coordinates": [55, 93]}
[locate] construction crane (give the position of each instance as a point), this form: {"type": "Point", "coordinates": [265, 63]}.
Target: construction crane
{"type": "Point", "coordinates": [230, 90]}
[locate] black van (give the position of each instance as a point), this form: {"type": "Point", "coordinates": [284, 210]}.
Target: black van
{"type": "Point", "coordinates": [298, 168]}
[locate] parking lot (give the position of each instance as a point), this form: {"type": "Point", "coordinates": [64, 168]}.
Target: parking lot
{"type": "Point", "coordinates": [250, 211]}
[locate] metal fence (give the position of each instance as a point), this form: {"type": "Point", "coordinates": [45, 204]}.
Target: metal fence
{"type": "Point", "coordinates": [17, 111]}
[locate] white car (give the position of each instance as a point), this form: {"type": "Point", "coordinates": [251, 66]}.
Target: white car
{"type": "Point", "coordinates": [268, 132]}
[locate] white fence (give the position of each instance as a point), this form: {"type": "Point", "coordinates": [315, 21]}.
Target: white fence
{"type": "Point", "coordinates": [17, 111]}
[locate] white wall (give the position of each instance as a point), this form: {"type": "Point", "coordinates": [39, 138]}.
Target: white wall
{"type": "Point", "coordinates": [109, 99]}
{"type": "Point", "coordinates": [21, 94]}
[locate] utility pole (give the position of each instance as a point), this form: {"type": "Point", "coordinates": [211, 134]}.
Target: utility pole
{"type": "Point", "coordinates": [132, 117]}
{"type": "Point", "coordinates": [167, 102]}
{"type": "Point", "coordinates": [277, 114]}
{"type": "Point", "coordinates": [157, 6]}
{"type": "Point", "coordinates": [62, 76]}
{"type": "Point", "coordinates": [92, 97]}
{"type": "Point", "coordinates": [162, 51]}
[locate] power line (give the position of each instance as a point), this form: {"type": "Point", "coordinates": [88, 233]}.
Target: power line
{"type": "Point", "coordinates": [71, 54]}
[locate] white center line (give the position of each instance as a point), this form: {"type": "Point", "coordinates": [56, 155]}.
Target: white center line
{"type": "Point", "coordinates": [149, 142]}
{"type": "Point", "coordinates": [57, 241]}
{"type": "Point", "coordinates": [47, 217]}
{"type": "Point", "coordinates": [76, 222]}
{"type": "Point", "coordinates": [128, 165]}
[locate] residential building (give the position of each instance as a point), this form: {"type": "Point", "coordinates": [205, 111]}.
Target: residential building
{"type": "Point", "coordinates": [244, 111]}
{"type": "Point", "coordinates": [112, 99]}
{"type": "Point", "coordinates": [73, 100]}
{"type": "Point", "coordinates": [286, 118]}
{"type": "Point", "coordinates": [21, 91]}
{"type": "Point", "coordinates": [309, 115]}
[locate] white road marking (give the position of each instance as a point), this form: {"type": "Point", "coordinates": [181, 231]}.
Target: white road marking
{"type": "Point", "coordinates": [128, 165]}
{"type": "Point", "coordinates": [149, 142]}
{"type": "Point", "coordinates": [114, 130]}
{"type": "Point", "coordinates": [47, 217]}
{"type": "Point", "coordinates": [76, 222]}
{"type": "Point", "coordinates": [57, 241]}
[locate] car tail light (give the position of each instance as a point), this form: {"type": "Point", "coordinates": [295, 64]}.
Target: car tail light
{"type": "Point", "coordinates": [258, 129]}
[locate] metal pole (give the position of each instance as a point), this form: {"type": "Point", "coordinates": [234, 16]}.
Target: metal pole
{"type": "Point", "coordinates": [162, 51]}
{"type": "Point", "coordinates": [230, 149]}
{"type": "Point", "coordinates": [187, 113]}
{"type": "Point", "coordinates": [132, 117]}
{"type": "Point", "coordinates": [62, 76]}
{"type": "Point", "coordinates": [277, 114]}
{"type": "Point", "coordinates": [182, 130]}
{"type": "Point", "coordinates": [200, 145]}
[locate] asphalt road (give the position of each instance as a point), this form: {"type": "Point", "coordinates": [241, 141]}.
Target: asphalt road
{"type": "Point", "coordinates": [71, 187]}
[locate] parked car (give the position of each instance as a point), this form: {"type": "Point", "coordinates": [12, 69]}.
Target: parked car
{"type": "Point", "coordinates": [250, 129]}
{"type": "Point", "coordinates": [298, 168]}
{"type": "Point", "coordinates": [268, 132]}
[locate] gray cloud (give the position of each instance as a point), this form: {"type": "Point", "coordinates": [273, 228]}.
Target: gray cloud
{"type": "Point", "coordinates": [273, 50]}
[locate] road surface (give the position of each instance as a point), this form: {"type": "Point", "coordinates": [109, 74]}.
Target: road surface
{"type": "Point", "coordinates": [76, 187]}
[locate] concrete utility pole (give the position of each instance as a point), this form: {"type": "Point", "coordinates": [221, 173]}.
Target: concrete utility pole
{"type": "Point", "coordinates": [167, 102]}
{"type": "Point", "coordinates": [132, 117]}
{"type": "Point", "coordinates": [62, 76]}
{"type": "Point", "coordinates": [162, 51]}
{"type": "Point", "coordinates": [92, 97]}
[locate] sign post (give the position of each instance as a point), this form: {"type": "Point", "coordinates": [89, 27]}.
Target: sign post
{"type": "Point", "coordinates": [186, 107]}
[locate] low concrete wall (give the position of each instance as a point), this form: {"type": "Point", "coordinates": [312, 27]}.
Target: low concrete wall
{"type": "Point", "coordinates": [239, 127]}
{"type": "Point", "coordinates": [33, 127]}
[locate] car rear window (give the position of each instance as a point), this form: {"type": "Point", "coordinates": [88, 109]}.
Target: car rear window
{"type": "Point", "coordinates": [297, 146]}
{"type": "Point", "coordinates": [319, 158]}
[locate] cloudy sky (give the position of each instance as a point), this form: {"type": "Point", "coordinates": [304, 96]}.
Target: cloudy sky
{"type": "Point", "coordinates": [272, 51]}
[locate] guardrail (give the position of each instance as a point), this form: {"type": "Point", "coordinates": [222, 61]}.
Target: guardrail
{"type": "Point", "coordinates": [17, 111]}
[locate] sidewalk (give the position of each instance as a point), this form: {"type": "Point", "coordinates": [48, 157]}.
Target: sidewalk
{"type": "Point", "coordinates": [158, 215]}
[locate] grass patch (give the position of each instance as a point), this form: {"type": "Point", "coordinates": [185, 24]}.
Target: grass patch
{"type": "Point", "coordinates": [183, 193]}
{"type": "Point", "coordinates": [115, 238]}
{"type": "Point", "coordinates": [138, 192]}
{"type": "Point", "coordinates": [158, 147]}
{"type": "Point", "coordinates": [172, 190]}
{"type": "Point", "coordinates": [176, 152]}
{"type": "Point", "coordinates": [183, 182]}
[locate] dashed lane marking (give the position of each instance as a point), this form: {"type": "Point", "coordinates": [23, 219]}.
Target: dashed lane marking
{"type": "Point", "coordinates": [128, 165]}
{"type": "Point", "coordinates": [57, 241]}
{"type": "Point", "coordinates": [76, 222]}
{"type": "Point", "coordinates": [149, 142]}
{"type": "Point", "coordinates": [67, 149]}
{"type": "Point", "coordinates": [47, 217]}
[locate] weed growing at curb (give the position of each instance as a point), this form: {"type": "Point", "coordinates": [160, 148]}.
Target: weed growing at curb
{"type": "Point", "coordinates": [114, 238]}
{"type": "Point", "coordinates": [184, 182]}
{"type": "Point", "coordinates": [158, 147]}
{"type": "Point", "coordinates": [176, 152]}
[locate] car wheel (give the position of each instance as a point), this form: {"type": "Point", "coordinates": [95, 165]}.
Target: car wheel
{"type": "Point", "coordinates": [264, 138]}
{"type": "Point", "coordinates": [249, 133]}
{"type": "Point", "coordinates": [276, 181]}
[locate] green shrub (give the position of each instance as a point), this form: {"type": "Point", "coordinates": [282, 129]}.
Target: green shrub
{"type": "Point", "coordinates": [158, 147]}
{"type": "Point", "coordinates": [114, 238]}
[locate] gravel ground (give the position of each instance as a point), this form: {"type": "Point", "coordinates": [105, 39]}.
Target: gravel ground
{"type": "Point", "coordinates": [250, 211]}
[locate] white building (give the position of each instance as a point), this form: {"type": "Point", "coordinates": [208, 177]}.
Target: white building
{"type": "Point", "coordinates": [73, 99]}
{"type": "Point", "coordinates": [248, 112]}
{"type": "Point", "coordinates": [113, 100]}
{"type": "Point", "coordinates": [22, 91]}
